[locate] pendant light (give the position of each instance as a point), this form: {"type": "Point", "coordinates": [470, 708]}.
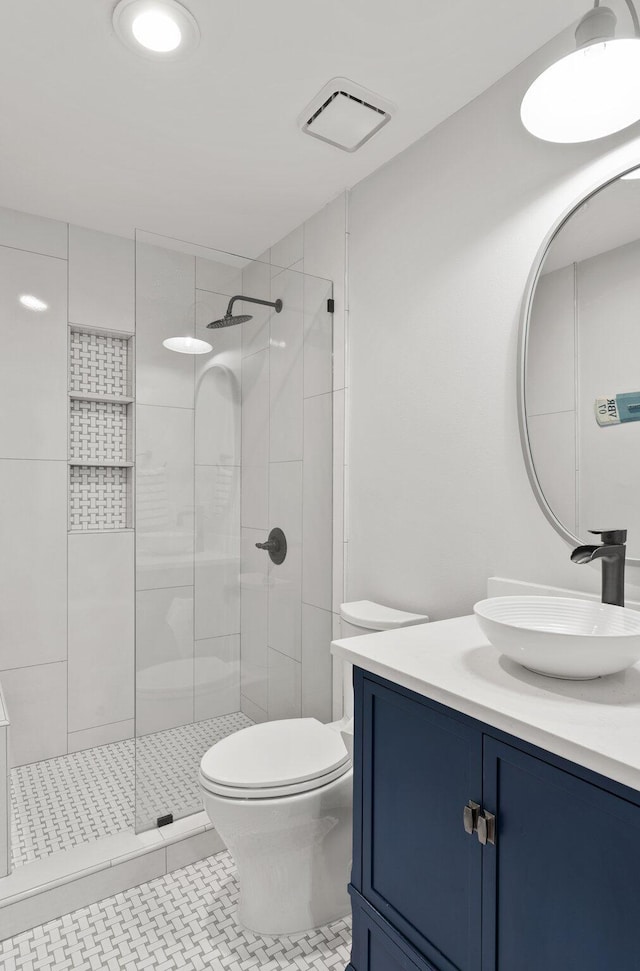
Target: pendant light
{"type": "Point", "coordinates": [592, 92]}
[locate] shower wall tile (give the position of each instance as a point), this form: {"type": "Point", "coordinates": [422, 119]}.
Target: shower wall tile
{"type": "Point", "coordinates": [316, 663]}
{"type": "Point", "coordinates": [33, 233]}
{"type": "Point", "coordinates": [33, 363]}
{"type": "Point", "coordinates": [103, 735]}
{"type": "Point", "coordinates": [325, 256]}
{"type": "Point", "coordinates": [164, 496]}
{"type": "Point", "coordinates": [101, 630]}
{"type": "Point", "coordinates": [101, 280]}
{"type": "Point", "coordinates": [36, 700]}
{"type": "Point", "coordinates": [284, 686]}
{"type": "Point", "coordinates": [256, 282]}
{"type": "Point", "coordinates": [218, 393]}
{"type": "Point", "coordinates": [217, 551]}
{"type": "Point", "coordinates": [288, 250]}
{"type": "Point", "coordinates": [338, 498]}
{"type": "Point", "coordinates": [254, 600]}
{"type": "Point", "coordinates": [286, 369]}
{"type": "Point", "coordinates": [317, 545]}
{"type": "Point", "coordinates": [165, 307]}
{"type": "Point", "coordinates": [33, 567]}
{"type": "Point", "coordinates": [255, 497]}
{"type": "Point", "coordinates": [217, 676]}
{"type": "Point", "coordinates": [252, 711]}
{"type": "Point", "coordinates": [285, 579]}
{"type": "Point", "coordinates": [164, 659]}
{"type": "Point", "coordinates": [255, 410]}
{"type": "Point", "coordinates": [318, 337]}
{"type": "Point", "coordinates": [219, 277]}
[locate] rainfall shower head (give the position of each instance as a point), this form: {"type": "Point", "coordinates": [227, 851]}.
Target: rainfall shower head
{"type": "Point", "coordinates": [229, 320]}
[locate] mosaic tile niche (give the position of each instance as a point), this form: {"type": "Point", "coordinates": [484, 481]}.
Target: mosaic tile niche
{"type": "Point", "coordinates": [100, 431]}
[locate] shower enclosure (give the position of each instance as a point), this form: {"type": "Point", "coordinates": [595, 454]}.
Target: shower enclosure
{"type": "Point", "coordinates": [229, 444]}
{"type": "Point", "coordinates": [141, 621]}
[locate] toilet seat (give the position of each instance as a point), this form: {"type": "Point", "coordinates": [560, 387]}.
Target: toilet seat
{"type": "Point", "coordinates": [275, 759]}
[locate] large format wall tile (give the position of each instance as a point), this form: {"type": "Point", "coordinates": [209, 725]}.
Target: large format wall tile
{"type": "Point", "coordinates": [254, 619]}
{"type": "Point", "coordinates": [164, 659]}
{"type": "Point", "coordinates": [33, 363]}
{"type": "Point", "coordinates": [284, 686]}
{"type": "Point", "coordinates": [219, 277]}
{"type": "Point", "coordinates": [217, 676]}
{"type": "Point", "coordinates": [165, 307]}
{"type": "Point", "coordinates": [318, 337]}
{"type": "Point", "coordinates": [286, 369]}
{"type": "Point", "coordinates": [317, 502]}
{"type": "Point", "coordinates": [103, 735]}
{"type": "Point", "coordinates": [255, 410]}
{"type": "Point", "coordinates": [285, 579]}
{"type": "Point", "coordinates": [101, 630]}
{"type": "Point", "coordinates": [164, 496]}
{"type": "Point", "coordinates": [217, 552]}
{"type": "Point", "coordinates": [316, 663]}
{"type": "Point", "coordinates": [33, 565]}
{"type": "Point", "coordinates": [101, 280]}
{"type": "Point", "coordinates": [325, 256]}
{"type": "Point", "coordinates": [256, 282]}
{"type": "Point", "coordinates": [218, 398]}
{"type": "Point", "coordinates": [36, 698]}
{"type": "Point", "coordinates": [33, 233]}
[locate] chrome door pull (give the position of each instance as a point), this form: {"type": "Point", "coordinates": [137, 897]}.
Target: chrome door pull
{"type": "Point", "coordinates": [470, 817]}
{"type": "Point", "coordinates": [486, 828]}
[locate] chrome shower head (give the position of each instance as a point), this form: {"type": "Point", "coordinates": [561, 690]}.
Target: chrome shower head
{"type": "Point", "coordinates": [229, 320]}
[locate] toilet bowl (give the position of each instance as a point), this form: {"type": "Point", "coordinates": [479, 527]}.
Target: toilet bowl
{"type": "Point", "coordinates": [280, 796]}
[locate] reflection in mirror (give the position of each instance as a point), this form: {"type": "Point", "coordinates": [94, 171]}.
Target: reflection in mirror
{"type": "Point", "coordinates": [582, 367]}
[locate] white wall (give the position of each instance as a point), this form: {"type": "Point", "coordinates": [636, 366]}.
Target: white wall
{"type": "Point", "coordinates": [442, 240]}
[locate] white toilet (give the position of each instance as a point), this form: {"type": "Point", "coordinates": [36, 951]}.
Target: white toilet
{"type": "Point", "coordinates": [280, 796]}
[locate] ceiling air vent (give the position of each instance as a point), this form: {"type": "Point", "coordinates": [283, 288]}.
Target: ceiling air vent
{"type": "Point", "coordinates": [345, 114]}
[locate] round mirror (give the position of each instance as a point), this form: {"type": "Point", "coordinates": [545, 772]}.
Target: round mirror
{"type": "Point", "coordinates": [580, 368]}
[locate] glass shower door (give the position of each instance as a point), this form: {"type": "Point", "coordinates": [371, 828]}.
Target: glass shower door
{"type": "Point", "coordinates": [220, 454]}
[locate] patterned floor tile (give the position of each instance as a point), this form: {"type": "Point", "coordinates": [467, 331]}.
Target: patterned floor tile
{"type": "Point", "coordinates": [60, 803]}
{"type": "Point", "coordinates": [185, 921]}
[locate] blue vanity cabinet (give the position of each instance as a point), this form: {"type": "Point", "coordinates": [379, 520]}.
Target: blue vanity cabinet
{"type": "Point", "coordinates": [558, 889]}
{"type": "Point", "coordinates": [562, 885]}
{"type": "Point", "coordinates": [420, 871]}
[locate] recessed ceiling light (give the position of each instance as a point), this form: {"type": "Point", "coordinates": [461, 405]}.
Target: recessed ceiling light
{"type": "Point", "coordinates": [156, 28]}
{"type": "Point", "coordinates": [33, 303]}
{"type": "Point", "coordinates": [187, 345]}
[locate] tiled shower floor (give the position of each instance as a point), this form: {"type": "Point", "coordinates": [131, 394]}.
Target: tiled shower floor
{"type": "Point", "coordinates": [76, 798]}
{"type": "Point", "coordinates": [184, 921]}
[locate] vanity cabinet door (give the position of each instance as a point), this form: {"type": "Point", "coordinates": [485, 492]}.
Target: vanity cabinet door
{"type": "Point", "coordinates": [562, 883]}
{"type": "Point", "coordinates": [420, 869]}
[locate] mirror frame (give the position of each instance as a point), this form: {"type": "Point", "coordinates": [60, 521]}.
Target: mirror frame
{"type": "Point", "coordinates": [523, 341]}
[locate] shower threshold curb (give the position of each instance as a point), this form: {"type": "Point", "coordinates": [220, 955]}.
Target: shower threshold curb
{"type": "Point", "coordinates": [68, 879]}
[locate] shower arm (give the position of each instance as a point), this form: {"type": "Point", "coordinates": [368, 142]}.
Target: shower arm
{"type": "Point", "coordinates": [277, 304]}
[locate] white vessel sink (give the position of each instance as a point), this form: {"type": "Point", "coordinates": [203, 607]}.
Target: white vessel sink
{"type": "Point", "coordinates": [562, 637]}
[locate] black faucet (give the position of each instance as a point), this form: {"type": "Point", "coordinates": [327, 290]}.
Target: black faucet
{"type": "Point", "coordinates": [612, 553]}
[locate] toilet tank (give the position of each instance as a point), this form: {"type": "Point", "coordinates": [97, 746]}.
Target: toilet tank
{"type": "Point", "coordinates": [366, 617]}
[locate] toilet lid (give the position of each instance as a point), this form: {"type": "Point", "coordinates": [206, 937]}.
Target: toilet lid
{"type": "Point", "coordinates": [275, 754]}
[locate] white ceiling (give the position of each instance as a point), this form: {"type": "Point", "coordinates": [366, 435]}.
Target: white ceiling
{"type": "Point", "coordinates": [207, 148]}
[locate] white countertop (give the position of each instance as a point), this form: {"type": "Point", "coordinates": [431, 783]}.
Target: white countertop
{"type": "Point", "coordinates": [593, 723]}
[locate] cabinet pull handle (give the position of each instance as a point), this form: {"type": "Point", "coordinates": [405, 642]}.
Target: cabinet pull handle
{"type": "Point", "coordinates": [486, 828]}
{"type": "Point", "coordinates": [470, 817]}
